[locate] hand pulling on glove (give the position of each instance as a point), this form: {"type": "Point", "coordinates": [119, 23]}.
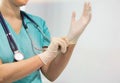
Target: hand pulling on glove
{"type": "Point", "coordinates": [57, 45]}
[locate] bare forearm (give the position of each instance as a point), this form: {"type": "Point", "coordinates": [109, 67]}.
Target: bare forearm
{"type": "Point", "coordinates": [13, 71]}
{"type": "Point", "coordinates": [58, 65]}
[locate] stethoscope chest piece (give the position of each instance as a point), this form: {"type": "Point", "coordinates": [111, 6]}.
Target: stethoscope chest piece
{"type": "Point", "coordinates": [18, 56]}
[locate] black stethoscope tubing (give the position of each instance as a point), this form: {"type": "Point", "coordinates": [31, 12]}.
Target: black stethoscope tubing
{"type": "Point", "coordinates": [17, 55]}
{"type": "Point", "coordinates": [23, 15]}
{"type": "Point", "coordinates": [12, 43]}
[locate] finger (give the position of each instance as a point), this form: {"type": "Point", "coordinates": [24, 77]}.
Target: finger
{"type": "Point", "coordinates": [84, 10]}
{"type": "Point", "coordinates": [53, 45]}
{"type": "Point", "coordinates": [62, 44]}
{"type": "Point", "coordinates": [90, 16]}
{"type": "Point", "coordinates": [73, 16]}
{"type": "Point", "coordinates": [90, 7]}
{"type": "Point", "coordinates": [66, 40]}
{"type": "Point", "coordinates": [87, 8]}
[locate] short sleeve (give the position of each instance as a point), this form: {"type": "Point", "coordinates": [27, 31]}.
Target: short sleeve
{"type": "Point", "coordinates": [46, 35]}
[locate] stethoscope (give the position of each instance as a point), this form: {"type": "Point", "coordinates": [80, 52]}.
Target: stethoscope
{"type": "Point", "coordinates": [18, 56]}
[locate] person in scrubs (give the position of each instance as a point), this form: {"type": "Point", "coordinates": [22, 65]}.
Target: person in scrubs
{"type": "Point", "coordinates": [54, 55]}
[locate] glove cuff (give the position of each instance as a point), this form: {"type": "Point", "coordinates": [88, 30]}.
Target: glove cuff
{"type": "Point", "coordinates": [47, 56]}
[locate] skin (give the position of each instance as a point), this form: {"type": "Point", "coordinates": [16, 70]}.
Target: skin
{"type": "Point", "coordinates": [55, 67]}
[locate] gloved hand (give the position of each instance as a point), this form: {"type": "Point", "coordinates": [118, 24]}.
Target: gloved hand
{"type": "Point", "coordinates": [78, 26]}
{"type": "Point", "coordinates": [57, 45]}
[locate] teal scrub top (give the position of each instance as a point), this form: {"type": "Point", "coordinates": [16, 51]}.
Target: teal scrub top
{"type": "Point", "coordinates": [24, 45]}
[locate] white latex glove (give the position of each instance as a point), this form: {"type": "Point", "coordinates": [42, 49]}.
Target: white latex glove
{"type": "Point", "coordinates": [57, 45]}
{"type": "Point", "coordinates": [78, 26]}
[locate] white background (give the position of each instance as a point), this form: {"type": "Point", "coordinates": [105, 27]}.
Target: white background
{"type": "Point", "coordinates": [96, 58]}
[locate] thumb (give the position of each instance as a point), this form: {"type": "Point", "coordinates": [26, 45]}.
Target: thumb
{"type": "Point", "coordinates": [73, 16]}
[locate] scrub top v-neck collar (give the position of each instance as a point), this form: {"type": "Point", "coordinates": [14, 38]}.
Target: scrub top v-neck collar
{"type": "Point", "coordinates": [12, 30]}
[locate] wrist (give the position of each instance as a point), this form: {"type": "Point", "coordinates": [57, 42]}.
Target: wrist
{"type": "Point", "coordinates": [70, 41]}
{"type": "Point", "coordinates": [74, 41]}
